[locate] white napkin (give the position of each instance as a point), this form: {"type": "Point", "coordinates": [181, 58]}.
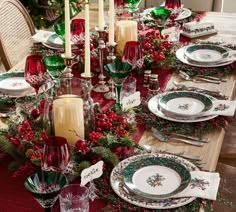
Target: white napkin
{"type": "Point", "coordinates": [42, 36]}
{"type": "Point", "coordinates": [203, 184]}
{"type": "Point", "coordinates": [222, 107]}
{"type": "Point", "coordinates": [196, 29]}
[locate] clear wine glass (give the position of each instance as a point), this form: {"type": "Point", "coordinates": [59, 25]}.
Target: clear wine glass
{"type": "Point", "coordinates": [35, 71]}
{"type": "Point", "coordinates": [118, 71]}
{"type": "Point", "coordinates": [160, 15]}
{"type": "Point", "coordinates": [133, 54]}
{"type": "Point", "coordinates": [56, 154]}
{"type": "Point", "coordinates": [45, 187]}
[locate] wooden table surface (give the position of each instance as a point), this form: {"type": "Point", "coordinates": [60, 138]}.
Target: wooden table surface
{"type": "Point", "coordinates": [226, 26]}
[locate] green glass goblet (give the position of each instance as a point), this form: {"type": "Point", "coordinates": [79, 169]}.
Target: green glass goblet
{"type": "Point", "coordinates": [60, 31]}
{"type": "Point", "coordinates": [132, 5]}
{"type": "Point", "coordinates": [54, 65]}
{"type": "Point", "coordinates": [118, 71]}
{"type": "Point", "coordinates": [160, 15]}
{"type": "Point", "coordinates": [45, 187]}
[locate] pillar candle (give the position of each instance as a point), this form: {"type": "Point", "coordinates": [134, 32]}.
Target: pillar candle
{"type": "Point", "coordinates": [68, 118]}
{"type": "Point", "coordinates": [101, 15]}
{"type": "Point", "coordinates": [87, 42]}
{"type": "Point", "coordinates": [111, 22]}
{"type": "Point", "coordinates": [126, 30]}
{"type": "Point", "coordinates": [67, 29]}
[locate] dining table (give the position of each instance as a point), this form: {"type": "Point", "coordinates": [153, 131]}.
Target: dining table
{"type": "Point", "coordinates": [13, 195]}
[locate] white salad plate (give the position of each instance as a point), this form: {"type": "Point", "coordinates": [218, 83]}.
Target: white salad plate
{"type": "Point", "coordinates": [154, 107]}
{"type": "Point", "coordinates": [185, 103]}
{"type": "Point", "coordinates": [156, 177]}
{"type": "Point", "coordinates": [180, 54]}
{"type": "Point", "coordinates": [15, 86]}
{"type": "Point", "coordinates": [117, 182]}
{"type": "Point", "coordinates": [206, 53]}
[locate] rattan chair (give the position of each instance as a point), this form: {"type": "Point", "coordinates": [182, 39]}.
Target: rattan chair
{"type": "Point", "coordinates": [16, 29]}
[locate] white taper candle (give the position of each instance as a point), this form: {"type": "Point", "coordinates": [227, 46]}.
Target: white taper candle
{"type": "Point", "coordinates": [87, 42]}
{"type": "Point", "coordinates": [101, 15]}
{"type": "Point", "coordinates": [111, 22]}
{"type": "Point", "coordinates": [67, 30]}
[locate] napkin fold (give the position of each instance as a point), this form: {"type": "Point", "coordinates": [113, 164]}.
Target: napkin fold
{"type": "Point", "coordinates": [203, 184]}
{"type": "Point", "coordinates": [222, 107]}
{"type": "Point", "coordinates": [196, 29]}
{"type": "Point", "coordinates": [42, 36]}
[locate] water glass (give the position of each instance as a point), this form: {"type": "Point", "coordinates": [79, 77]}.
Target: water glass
{"type": "Point", "coordinates": [174, 6]}
{"type": "Point", "coordinates": [129, 87]}
{"type": "Point", "coordinates": [74, 198]}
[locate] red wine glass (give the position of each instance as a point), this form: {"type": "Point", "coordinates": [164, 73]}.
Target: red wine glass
{"type": "Point", "coordinates": [78, 32]}
{"type": "Point", "coordinates": [133, 54]}
{"type": "Point", "coordinates": [174, 6]}
{"type": "Point", "coordinates": [56, 154]}
{"type": "Point", "coordinates": [35, 71]}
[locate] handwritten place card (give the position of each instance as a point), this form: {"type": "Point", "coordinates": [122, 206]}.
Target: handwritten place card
{"type": "Point", "coordinates": [131, 101]}
{"type": "Point", "coordinates": [91, 173]}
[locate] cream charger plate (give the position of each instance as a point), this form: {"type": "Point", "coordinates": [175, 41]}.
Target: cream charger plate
{"type": "Point", "coordinates": [117, 183]}
{"type": "Point", "coordinates": [180, 54]}
{"type": "Point", "coordinates": [154, 107]}
{"type": "Point", "coordinates": [185, 103]}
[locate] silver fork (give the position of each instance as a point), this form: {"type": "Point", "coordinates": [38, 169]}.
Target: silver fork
{"type": "Point", "coordinates": [166, 138]}
{"type": "Point", "coordinates": [204, 140]}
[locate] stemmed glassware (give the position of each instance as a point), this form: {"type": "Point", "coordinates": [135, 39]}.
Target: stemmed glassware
{"type": "Point", "coordinates": [132, 5]}
{"type": "Point", "coordinates": [160, 15]}
{"type": "Point", "coordinates": [35, 71]}
{"type": "Point", "coordinates": [45, 187]}
{"type": "Point", "coordinates": [133, 54]}
{"type": "Point", "coordinates": [55, 65]}
{"type": "Point", "coordinates": [60, 31]}
{"type": "Point", "coordinates": [56, 155]}
{"type": "Point", "coordinates": [174, 6]}
{"type": "Point", "coordinates": [78, 32]}
{"type": "Point", "coordinates": [118, 71]}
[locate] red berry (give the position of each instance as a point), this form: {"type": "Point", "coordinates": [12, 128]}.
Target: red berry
{"type": "Point", "coordinates": [35, 113]}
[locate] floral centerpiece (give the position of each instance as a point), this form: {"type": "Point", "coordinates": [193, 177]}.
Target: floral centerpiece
{"type": "Point", "coordinates": [24, 141]}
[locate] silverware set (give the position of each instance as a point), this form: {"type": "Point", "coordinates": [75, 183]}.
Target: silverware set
{"type": "Point", "coordinates": [163, 137]}
{"type": "Point", "coordinates": [200, 78]}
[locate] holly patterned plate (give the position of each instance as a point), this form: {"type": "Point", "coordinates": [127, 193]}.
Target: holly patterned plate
{"type": "Point", "coordinates": [156, 177]}
{"type": "Point", "coordinates": [117, 180]}
{"type": "Point", "coordinates": [185, 103]}
{"type": "Point", "coordinates": [206, 53]}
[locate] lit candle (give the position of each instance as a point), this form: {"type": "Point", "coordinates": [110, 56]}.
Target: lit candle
{"type": "Point", "coordinates": [68, 118]}
{"type": "Point", "coordinates": [101, 15]}
{"type": "Point", "coordinates": [67, 29]}
{"type": "Point", "coordinates": [111, 22]}
{"type": "Point", "coordinates": [87, 42]}
{"type": "Point", "coordinates": [126, 30]}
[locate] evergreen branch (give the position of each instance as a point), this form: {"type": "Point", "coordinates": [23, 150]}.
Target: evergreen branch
{"type": "Point", "coordinates": [106, 154]}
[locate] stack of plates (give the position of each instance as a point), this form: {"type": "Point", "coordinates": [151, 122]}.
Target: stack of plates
{"type": "Point", "coordinates": [204, 55]}
{"type": "Point", "coordinates": [184, 104]}
{"type": "Point", "coordinates": [54, 42]}
{"type": "Point", "coordinates": [152, 180]}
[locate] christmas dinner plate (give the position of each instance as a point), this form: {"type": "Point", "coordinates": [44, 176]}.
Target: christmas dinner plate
{"type": "Point", "coordinates": [185, 103]}
{"type": "Point", "coordinates": [154, 107]}
{"type": "Point", "coordinates": [206, 53]}
{"type": "Point", "coordinates": [156, 177]}
{"type": "Point", "coordinates": [180, 54]}
{"type": "Point", "coordinates": [117, 184]}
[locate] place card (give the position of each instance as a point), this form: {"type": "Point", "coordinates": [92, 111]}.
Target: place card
{"type": "Point", "coordinates": [131, 101]}
{"type": "Point", "coordinates": [91, 173]}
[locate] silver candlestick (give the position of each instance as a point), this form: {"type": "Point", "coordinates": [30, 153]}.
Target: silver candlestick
{"type": "Point", "coordinates": [101, 87]}
{"type": "Point", "coordinates": [67, 72]}
{"type": "Point", "coordinates": [111, 58]}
